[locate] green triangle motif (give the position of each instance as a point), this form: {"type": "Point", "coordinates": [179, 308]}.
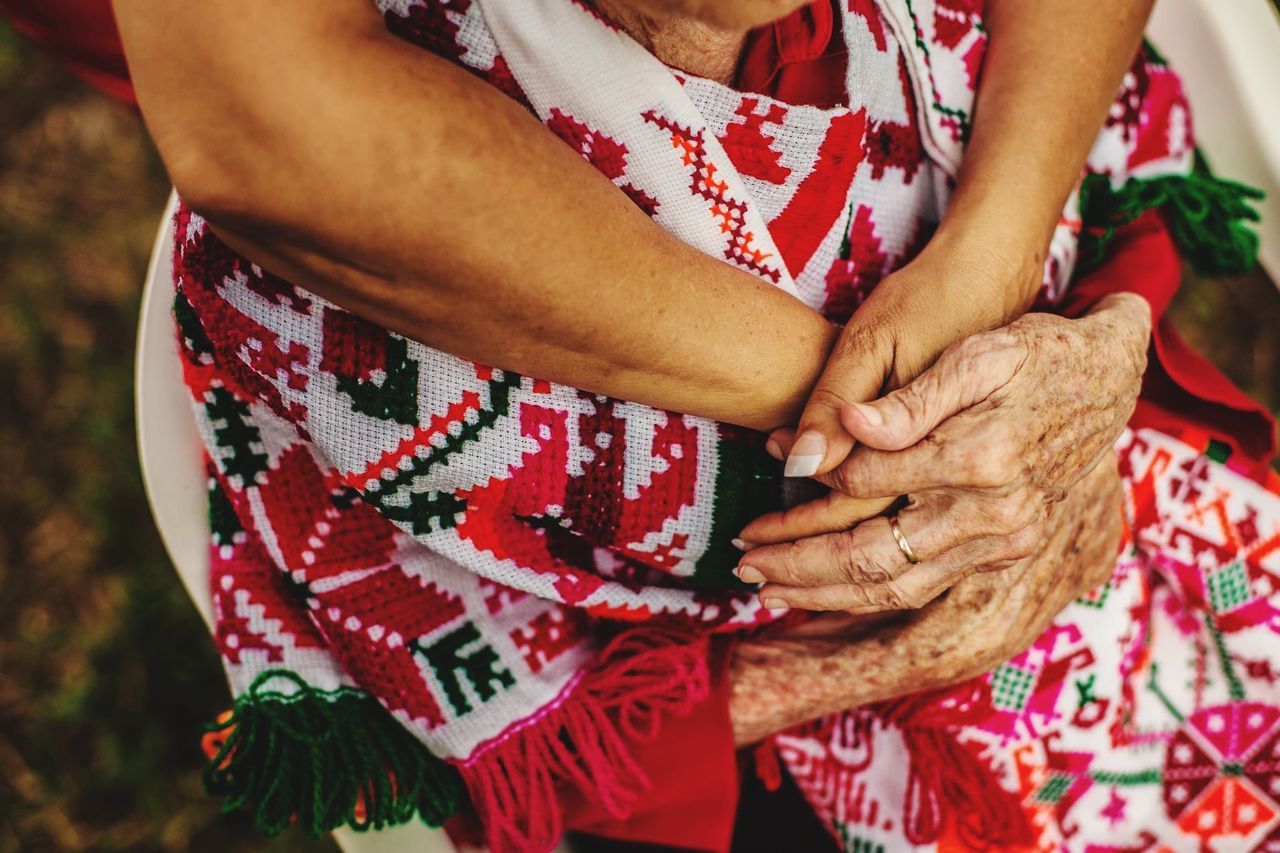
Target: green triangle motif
{"type": "Point", "coordinates": [396, 397]}
{"type": "Point", "coordinates": [245, 463]}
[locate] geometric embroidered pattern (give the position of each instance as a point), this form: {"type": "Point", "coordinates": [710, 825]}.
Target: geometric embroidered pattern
{"type": "Point", "coordinates": [1096, 598]}
{"type": "Point", "coordinates": [1054, 787]}
{"type": "Point", "coordinates": [487, 584]}
{"type": "Point", "coordinates": [1010, 687]}
{"type": "Point", "coordinates": [1229, 587]}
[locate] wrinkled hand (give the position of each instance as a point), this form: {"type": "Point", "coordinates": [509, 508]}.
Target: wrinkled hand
{"type": "Point", "coordinates": [780, 681]}
{"type": "Point", "coordinates": [983, 443]}
{"type": "Point", "coordinates": [950, 291]}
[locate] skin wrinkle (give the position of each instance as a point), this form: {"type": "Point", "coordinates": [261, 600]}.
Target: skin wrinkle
{"type": "Point", "coordinates": [683, 42]}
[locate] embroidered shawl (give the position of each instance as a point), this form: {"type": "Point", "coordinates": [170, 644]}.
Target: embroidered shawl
{"type": "Point", "coordinates": [437, 582]}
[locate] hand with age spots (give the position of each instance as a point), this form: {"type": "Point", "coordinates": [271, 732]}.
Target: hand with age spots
{"type": "Point", "coordinates": [836, 661]}
{"type": "Point", "coordinates": [983, 444]}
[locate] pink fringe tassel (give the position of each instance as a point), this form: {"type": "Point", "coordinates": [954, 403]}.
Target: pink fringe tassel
{"type": "Point", "coordinates": [640, 676]}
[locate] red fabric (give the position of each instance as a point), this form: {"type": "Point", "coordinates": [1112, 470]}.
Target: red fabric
{"type": "Point", "coordinates": [800, 59]}
{"type": "Point", "coordinates": [692, 765]}
{"type": "Point", "coordinates": [1181, 389]}
{"type": "Point", "coordinates": [693, 773]}
{"type": "Point", "coordinates": [81, 34]}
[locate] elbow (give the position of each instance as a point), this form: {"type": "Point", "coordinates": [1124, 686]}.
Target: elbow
{"type": "Point", "coordinates": [226, 177]}
{"type": "Point", "coordinates": [212, 181]}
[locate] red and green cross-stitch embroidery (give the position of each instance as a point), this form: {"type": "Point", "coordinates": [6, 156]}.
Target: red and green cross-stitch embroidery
{"type": "Point", "coordinates": [441, 586]}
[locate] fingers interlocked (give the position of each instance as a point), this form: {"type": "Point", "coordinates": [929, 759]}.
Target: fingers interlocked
{"type": "Point", "coordinates": [865, 570]}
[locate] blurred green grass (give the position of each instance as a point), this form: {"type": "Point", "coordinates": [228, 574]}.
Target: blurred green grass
{"type": "Point", "coordinates": [106, 673]}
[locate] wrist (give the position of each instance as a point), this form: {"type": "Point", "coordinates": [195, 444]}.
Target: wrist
{"type": "Point", "coordinates": [992, 279]}
{"type": "Point", "coordinates": [1009, 251]}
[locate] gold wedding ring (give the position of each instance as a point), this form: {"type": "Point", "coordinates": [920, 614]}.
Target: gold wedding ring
{"type": "Point", "coordinates": [903, 545]}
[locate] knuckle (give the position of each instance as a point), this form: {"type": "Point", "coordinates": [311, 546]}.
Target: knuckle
{"type": "Point", "coordinates": [843, 555]}
{"type": "Point", "coordinates": [991, 465]}
{"type": "Point", "coordinates": [1006, 515]}
{"type": "Point", "coordinates": [914, 402]}
{"type": "Point", "coordinates": [989, 348]}
{"type": "Point", "coordinates": [972, 348]}
{"type": "Point", "coordinates": [858, 565]}
{"type": "Point", "coordinates": [1023, 543]}
{"type": "Point", "coordinates": [861, 338]}
{"type": "Point", "coordinates": [879, 564]}
{"type": "Point", "coordinates": [1012, 513]}
{"type": "Point", "coordinates": [895, 597]}
{"type": "Point", "coordinates": [789, 567]}
{"type": "Point", "coordinates": [841, 478]}
{"type": "Point", "coordinates": [873, 570]}
{"type": "Point", "coordinates": [1005, 354]}
{"type": "Point", "coordinates": [836, 389]}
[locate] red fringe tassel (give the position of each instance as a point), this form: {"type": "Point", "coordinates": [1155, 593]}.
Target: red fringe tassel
{"type": "Point", "coordinates": [946, 780]}
{"type": "Point", "coordinates": [643, 674]}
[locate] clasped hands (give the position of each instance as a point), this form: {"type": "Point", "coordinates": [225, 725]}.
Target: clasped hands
{"type": "Point", "coordinates": [971, 452]}
{"type": "Point", "coordinates": [994, 451]}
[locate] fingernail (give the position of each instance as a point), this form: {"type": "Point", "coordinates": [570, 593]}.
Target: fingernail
{"type": "Point", "coordinates": [774, 604]}
{"type": "Point", "coordinates": [806, 455]}
{"type": "Point", "coordinates": [742, 544]}
{"type": "Point", "coordinates": [747, 574]}
{"type": "Point", "coordinates": [773, 449]}
{"type": "Point", "coordinates": [870, 414]}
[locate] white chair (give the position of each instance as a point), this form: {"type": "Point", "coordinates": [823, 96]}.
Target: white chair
{"type": "Point", "coordinates": [1228, 51]}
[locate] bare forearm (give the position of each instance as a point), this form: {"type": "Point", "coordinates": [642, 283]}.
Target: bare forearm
{"type": "Point", "coordinates": [1051, 72]}
{"type": "Point", "coordinates": [405, 189]}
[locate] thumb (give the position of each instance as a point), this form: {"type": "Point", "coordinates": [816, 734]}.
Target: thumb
{"type": "Point", "coordinates": [854, 373]}
{"type": "Point", "coordinates": [963, 376]}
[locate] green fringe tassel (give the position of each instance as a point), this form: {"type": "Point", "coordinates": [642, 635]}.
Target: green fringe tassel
{"type": "Point", "coordinates": [311, 756]}
{"type": "Point", "coordinates": [1206, 214]}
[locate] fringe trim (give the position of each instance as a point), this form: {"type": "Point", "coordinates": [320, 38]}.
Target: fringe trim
{"type": "Point", "coordinates": [947, 784]}
{"type": "Point", "coordinates": [324, 759]}
{"type": "Point", "coordinates": [642, 675]}
{"type": "Point", "coordinates": [1207, 216]}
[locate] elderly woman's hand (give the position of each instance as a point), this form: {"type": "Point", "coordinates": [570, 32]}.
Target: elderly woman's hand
{"type": "Point", "coordinates": [983, 443]}
{"type": "Point", "coordinates": [835, 662]}
{"type": "Point", "coordinates": [956, 287]}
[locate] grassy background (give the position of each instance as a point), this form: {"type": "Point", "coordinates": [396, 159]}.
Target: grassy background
{"type": "Point", "coordinates": [106, 674]}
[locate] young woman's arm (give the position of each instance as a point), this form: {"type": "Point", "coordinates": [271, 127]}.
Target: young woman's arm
{"type": "Point", "coordinates": [1051, 72]}
{"type": "Point", "coordinates": [403, 188]}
